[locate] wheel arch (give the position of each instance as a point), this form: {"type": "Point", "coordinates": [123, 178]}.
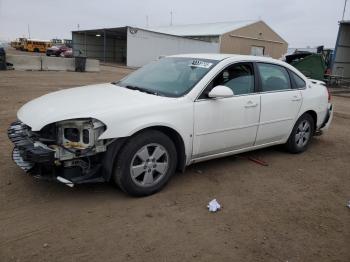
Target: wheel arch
{"type": "Point", "coordinates": [117, 145]}
{"type": "Point", "coordinates": [290, 143]}
{"type": "Point", "coordinates": [313, 114]}
{"type": "Point", "coordinates": [310, 112]}
{"type": "Point", "coordinates": [178, 142]}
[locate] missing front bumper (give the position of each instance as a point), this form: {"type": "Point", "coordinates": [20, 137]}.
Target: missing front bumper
{"type": "Point", "coordinates": [38, 160]}
{"type": "Point", "coordinates": [41, 165]}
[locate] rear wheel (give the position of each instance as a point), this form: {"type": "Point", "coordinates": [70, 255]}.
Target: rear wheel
{"type": "Point", "coordinates": [145, 164]}
{"type": "Point", "coordinates": [301, 134]}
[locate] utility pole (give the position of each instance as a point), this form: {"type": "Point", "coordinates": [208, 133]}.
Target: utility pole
{"type": "Point", "coordinates": [147, 24]}
{"type": "Point", "coordinates": [78, 27]}
{"type": "Point", "coordinates": [28, 31]}
{"type": "Point", "coordinates": [171, 17]}
{"type": "Point", "coordinates": [344, 9]}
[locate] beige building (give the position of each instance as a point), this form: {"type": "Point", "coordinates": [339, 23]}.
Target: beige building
{"type": "Point", "coordinates": [240, 37]}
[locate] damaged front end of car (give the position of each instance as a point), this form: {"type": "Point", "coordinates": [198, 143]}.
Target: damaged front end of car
{"type": "Point", "coordinates": [67, 151]}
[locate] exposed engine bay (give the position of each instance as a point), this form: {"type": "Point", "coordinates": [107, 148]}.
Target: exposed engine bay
{"type": "Point", "coordinates": [67, 150]}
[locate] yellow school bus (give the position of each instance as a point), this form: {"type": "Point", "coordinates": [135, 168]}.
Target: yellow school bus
{"type": "Point", "coordinates": [19, 43]}
{"type": "Point", "coordinates": [34, 45]}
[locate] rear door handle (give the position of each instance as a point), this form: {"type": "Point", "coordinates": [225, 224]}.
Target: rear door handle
{"type": "Point", "coordinates": [251, 104]}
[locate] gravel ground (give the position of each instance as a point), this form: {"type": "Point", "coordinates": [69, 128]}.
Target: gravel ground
{"type": "Point", "coordinates": [292, 210]}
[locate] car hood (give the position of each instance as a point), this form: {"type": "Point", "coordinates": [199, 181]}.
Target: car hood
{"type": "Point", "coordinates": [92, 101]}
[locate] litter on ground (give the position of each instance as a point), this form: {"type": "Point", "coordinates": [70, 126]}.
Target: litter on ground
{"type": "Point", "coordinates": [253, 159]}
{"type": "Point", "coordinates": [214, 206]}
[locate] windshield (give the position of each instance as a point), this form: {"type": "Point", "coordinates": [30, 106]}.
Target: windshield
{"type": "Point", "coordinates": [171, 76]}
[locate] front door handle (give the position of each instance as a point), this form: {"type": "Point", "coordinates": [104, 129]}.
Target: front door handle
{"type": "Point", "coordinates": [251, 104]}
{"type": "Point", "coordinates": [296, 98]}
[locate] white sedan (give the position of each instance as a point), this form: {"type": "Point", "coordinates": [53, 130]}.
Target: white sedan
{"type": "Point", "coordinates": [165, 116]}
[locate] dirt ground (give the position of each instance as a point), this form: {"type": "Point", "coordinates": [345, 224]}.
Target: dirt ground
{"type": "Point", "coordinates": [292, 210]}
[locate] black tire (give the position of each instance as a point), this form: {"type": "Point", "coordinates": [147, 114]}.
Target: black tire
{"type": "Point", "coordinates": [129, 154]}
{"type": "Point", "coordinates": [298, 141]}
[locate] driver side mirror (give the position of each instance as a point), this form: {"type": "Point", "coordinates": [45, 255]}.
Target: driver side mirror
{"type": "Point", "coordinates": [221, 92]}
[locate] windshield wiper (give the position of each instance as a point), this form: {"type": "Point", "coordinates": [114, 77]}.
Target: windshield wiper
{"type": "Point", "coordinates": [142, 89]}
{"type": "Point", "coordinates": [137, 88]}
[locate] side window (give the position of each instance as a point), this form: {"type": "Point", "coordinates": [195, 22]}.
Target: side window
{"type": "Point", "coordinates": [273, 77]}
{"type": "Point", "coordinates": [298, 81]}
{"type": "Point", "coordinates": [238, 77]}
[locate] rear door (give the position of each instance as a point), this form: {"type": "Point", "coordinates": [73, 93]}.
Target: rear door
{"type": "Point", "coordinates": [280, 103]}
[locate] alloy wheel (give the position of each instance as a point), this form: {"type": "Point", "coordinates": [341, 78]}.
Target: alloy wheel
{"type": "Point", "coordinates": [149, 165]}
{"type": "Point", "coordinates": [303, 133]}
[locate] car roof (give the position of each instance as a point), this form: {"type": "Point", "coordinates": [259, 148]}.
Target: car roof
{"type": "Point", "coordinates": [241, 58]}
{"type": "Point", "coordinates": [220, 57]}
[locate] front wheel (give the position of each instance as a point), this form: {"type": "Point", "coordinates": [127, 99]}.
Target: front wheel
{"type": "Point", "coordinates": [301, 135]}
{"type": "Point", "coordinates": [145, 164]}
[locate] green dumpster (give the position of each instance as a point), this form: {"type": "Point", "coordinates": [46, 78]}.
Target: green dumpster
{"type": "Point", "coordinates": [311, 65]}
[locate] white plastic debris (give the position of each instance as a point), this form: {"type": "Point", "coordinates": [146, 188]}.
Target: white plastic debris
{"type": "Point", "coordinates": [214, 206]}
{"type": "Point", "coordinates": [348, 205]}
{"type": "Point", "coordinates": [65, 181]}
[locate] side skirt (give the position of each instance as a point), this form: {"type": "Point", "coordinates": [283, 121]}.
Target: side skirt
{"type": "Point", "coordinates": [233, 152]}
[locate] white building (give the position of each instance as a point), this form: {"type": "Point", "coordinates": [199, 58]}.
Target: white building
{"type": "Point", "coordinates": [137, 46]}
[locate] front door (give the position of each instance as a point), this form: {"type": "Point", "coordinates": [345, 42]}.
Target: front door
{"type": "Point", "coordinates": [227, 124]}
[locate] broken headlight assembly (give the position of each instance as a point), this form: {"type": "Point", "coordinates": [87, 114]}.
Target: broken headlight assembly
{"type": "Point", "coordinates": [70, 147]}
{"type": "Point", "coordinates": [79, 137]}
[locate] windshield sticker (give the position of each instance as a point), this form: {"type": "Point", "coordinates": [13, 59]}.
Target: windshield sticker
{"type": "Point", "coordinates": [202, 64]}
